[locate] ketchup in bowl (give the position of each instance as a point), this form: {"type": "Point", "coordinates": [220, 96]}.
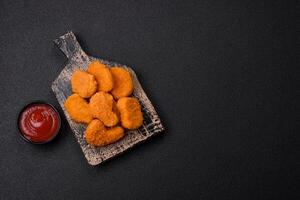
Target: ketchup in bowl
{"type": "Point", "coordinates": [39, 123]}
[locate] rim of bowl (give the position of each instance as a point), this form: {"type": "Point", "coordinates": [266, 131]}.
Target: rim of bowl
{"type": "Point", "coordinates": [58, 127]}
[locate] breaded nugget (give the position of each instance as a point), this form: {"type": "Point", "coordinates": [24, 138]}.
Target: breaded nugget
{"type": "Point", "coordinates": [123, 84]}
{"type": "Point", "coordinates": [83, 83]}
{"type": "Point", "coordinates": [130, 112]}
{"type": "Point", "coordinates": [102, 75]}
{"type": "Point", "coordinates": [78, 109]}
{"type": "Point", "coordinates": [97, 134]}
{"type": "Point", "coordinates": [102, 106]}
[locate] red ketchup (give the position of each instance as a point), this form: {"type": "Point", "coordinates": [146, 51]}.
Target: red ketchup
{"type": "Point", "coordinates": [39, 122]}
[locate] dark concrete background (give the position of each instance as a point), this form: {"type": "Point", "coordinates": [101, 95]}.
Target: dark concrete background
{"type": "Point", "coordinates": [221, 75]}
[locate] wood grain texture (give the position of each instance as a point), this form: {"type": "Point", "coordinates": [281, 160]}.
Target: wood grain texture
{"type": "Point", "coordinates": [78, 59]}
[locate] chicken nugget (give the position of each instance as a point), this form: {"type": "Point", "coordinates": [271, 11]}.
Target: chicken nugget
{"type": "Point", "coordinates": [78, 109]}
{"type": "Point", "coordinates": [83, 83]}
{"type": "Point", "coordinates": [102, 75]}
{"type": "Point", "coordinates": [123, 84]}
{"type": "Point", "coordinates": [102, 106]}
{"type": "Point", "coordinates": [130, 112]}
{"type": "Point", "coordinates": [97, 134]}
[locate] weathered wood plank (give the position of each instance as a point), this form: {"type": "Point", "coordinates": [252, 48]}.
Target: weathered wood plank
{"type": "Point", "coordinates": [77, 59]}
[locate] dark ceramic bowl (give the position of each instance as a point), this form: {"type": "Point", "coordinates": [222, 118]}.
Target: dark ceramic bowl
{"type": "Point", "coordinates": [49, 139]}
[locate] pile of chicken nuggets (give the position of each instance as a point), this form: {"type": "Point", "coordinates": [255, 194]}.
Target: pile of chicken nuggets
{"type": "Point", "coordinates": [101, 99]}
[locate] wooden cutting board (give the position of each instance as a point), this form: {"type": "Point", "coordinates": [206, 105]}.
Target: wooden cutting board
{"type": "Point", "coordinates": [78, 59]}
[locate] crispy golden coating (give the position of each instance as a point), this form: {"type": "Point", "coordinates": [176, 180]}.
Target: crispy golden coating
{"type": "Point", "coordinates": [78, 109]}
{"type": "Point", "coordinates": [83, 84]}
{"type": "Point", "coordinates": [102, 75]}
{"type": "Point", "coordinates": [102, 106]}
{"type": "Point", "coordinates": [123, 84]}
{"type": "Point", "coordinates": [130, 112]}
{"type": "Point", "coordinates": [97, 134]}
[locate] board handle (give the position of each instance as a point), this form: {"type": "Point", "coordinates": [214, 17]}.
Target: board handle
{"type": "Point", "coordinates": [69, 45]}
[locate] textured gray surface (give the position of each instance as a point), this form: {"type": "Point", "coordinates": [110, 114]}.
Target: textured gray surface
{"type": "Point", "coordinates": [77, 59]}
{"type": "Point", "coordinates": [221, 75]}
